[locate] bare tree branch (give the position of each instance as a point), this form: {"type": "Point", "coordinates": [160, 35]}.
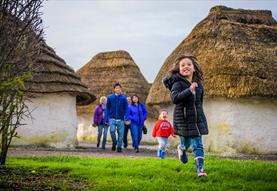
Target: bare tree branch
{"type": "Point", "coordinates": [20, 35]}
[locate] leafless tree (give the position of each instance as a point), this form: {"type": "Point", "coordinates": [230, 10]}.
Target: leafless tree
{"type": "Point", "coordinates": [20, 36]}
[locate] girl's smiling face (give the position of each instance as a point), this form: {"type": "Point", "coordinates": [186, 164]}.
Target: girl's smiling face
{"type": "Point", "coordinates": [186, 67]}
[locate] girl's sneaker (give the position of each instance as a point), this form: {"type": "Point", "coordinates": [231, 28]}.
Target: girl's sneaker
{"type": "Point", "coordinates": [182, 155]}
{"type": "Point", "coordinates": [201, 174]}
{"type": "Point", "coordinates": [199, 162]}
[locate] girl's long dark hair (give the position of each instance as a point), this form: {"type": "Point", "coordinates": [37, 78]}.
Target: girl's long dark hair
{"type": "Point", "coordinates": [198, 74]}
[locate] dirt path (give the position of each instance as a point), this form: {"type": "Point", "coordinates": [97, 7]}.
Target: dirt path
{"type": "Point", "coordinates": [84, 151]}
{"type": "Point", "coordinates": [89, 150]}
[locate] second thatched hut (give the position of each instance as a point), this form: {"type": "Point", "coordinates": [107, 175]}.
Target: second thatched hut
{"type": "Point", "coordinates": [101, 73]}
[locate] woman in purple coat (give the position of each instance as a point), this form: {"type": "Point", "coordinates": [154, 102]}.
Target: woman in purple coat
{"type": "Point", "coordinates": [137, 115]}
{"type": "Point", "coordinates": [98, 120]}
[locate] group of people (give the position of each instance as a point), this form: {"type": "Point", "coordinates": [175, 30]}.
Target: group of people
{"type": "Point", "coordinates": [189, 121]}
{"type": "Point", "coordinates": [120, 114]}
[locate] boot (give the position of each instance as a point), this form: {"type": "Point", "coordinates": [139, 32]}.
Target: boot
{"type": "Point", "coordinates": [182, 155]}
{"type": "Point", "coordinates": [199, 162]}
{"type": "Point", "coordinates": [162, 154]}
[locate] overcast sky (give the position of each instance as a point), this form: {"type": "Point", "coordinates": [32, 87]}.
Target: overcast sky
{"type": "Point", "coordinates": [148, 30]}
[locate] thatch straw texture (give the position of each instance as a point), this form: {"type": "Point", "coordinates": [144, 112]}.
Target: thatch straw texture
{"type": "Point", "coordinates": [53, 75]}
{"type": "Point", "coordinates": [107, 68]}
{"type": "Point", "coordinates": [237, 50]}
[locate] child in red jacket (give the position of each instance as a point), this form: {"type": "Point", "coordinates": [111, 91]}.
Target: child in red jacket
{"type": "Point", "coordinates": [162, 130]}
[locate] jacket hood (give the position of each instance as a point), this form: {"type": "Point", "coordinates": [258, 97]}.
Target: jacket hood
{"type": "Point", "coordinates": [168, 81]}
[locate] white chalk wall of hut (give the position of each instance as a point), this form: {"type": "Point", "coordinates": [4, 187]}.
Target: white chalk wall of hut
{"type": "Point", "coordinates": [53, 123]}
{"type": "Point", "coordinates": [235, 126]}
{"type": "Point", "coordinates": [242, 125]}
{"type": "Point", "coordinates": [87, 133]}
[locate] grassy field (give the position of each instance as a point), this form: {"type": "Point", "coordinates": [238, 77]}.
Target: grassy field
{"type": "Point", "coordinates": [149, 173]}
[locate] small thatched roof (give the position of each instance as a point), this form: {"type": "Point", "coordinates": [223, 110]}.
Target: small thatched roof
{"type": "Point", "coordinates": [107, 68]}
{"type": "Point", "coordinates": [53, 75]}
{"type": "Point", "coordinates": [237, 50]}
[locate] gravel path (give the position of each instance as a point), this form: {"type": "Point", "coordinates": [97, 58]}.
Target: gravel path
{"type": "Point", "coordinates": [81, 151]}
{"type": "Point", "coordinates": [89, 150]}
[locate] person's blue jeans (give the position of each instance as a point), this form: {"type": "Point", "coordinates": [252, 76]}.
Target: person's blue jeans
{"type": "Point", "coordinates": [140, 133]}
{"type": "Point", "coordinates": [162, 143]}
{"type": "Point", "coordinates": [125, 135]}
{"type": "Point", "coordinates": [196, 142]}
{"type": "Point", "coordinates": [117, 125]}
{"type": "Point", "coordinates": [100, 131]}
{"type": "Point", "coordinates": [136, 133]}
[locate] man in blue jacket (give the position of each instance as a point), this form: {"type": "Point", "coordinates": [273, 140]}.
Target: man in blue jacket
{"type": "Point", "coordinates": [116, 113]}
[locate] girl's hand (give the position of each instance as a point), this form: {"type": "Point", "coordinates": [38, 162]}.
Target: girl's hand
{"type": "Point", "coordinates": [193, 86]}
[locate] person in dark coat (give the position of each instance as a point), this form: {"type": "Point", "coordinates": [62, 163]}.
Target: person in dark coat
{"type": "Point", "coordinates": [137, 116]}
{"type": "Point", "coordinates": [98, 120]}
{"type": "Point", "coordinates": [184, 83]}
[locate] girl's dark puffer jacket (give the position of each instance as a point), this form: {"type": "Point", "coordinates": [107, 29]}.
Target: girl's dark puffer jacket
{"type": "Point", "coordinates": [189, 118]}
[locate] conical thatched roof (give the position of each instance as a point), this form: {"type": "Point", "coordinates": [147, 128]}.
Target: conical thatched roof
{"type": "Point", "coordinates": [237, 50]}
{"type": "Point", "coordinates": [53, 75]}
{"type": "Point", "coordinates": [107, 68]}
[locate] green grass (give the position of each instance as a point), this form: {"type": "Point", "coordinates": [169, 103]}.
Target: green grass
{"type": "Point", "coordinates": [154, 174]}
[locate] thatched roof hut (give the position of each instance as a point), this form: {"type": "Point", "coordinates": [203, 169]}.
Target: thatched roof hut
{"type": "Point", "coordinates": [237, 50]}
{"type": "Point", "coordinates": [54, 91]}
{"type": "Point", "coordinates": [53, 75]}
{"type": "Point", "coordinates": [107, 68]}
